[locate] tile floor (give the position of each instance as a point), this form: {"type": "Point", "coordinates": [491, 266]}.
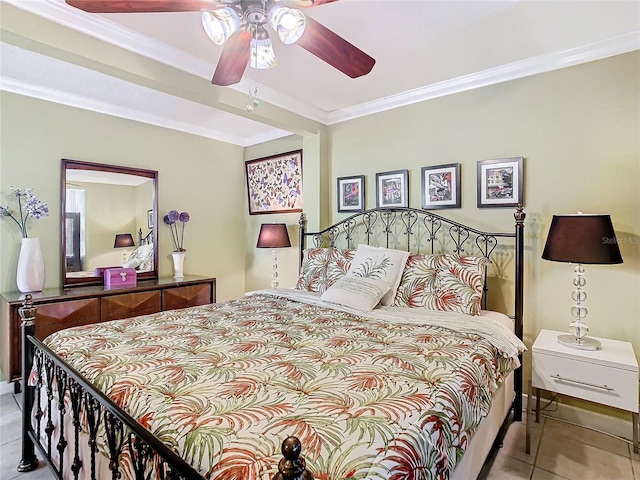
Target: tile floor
{"type": "Point", "coordinates": [559, 451]}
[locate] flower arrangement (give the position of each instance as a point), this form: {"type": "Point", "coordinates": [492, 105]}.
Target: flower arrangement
{"type": "Point", "coordinates": [28, 206]}
{"type": "Point", "coordinates": [172, 218]}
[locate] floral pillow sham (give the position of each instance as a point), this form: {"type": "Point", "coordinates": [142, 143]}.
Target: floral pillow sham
{"type": "Point", "coordinates": [442, 282]}
{"type": "Point", "coordinates": [322, 267]}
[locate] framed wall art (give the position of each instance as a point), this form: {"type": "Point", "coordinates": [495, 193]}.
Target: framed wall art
{"type": "Point", "coordinates": [351, 194]}
{"type": "Point", "coordinates": [150, 218]}
{"type": "Point", "coordinates": [274, 184]}
{"type": "Point", "coordinates": [500, 182]}
{"type": "Point", "coordinates": [392, 189]}
{"type": "Point", "coordinates": [441, 186]}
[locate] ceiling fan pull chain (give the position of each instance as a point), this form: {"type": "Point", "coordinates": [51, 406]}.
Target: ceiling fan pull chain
{"type": "Point", "coordinates": [252, 96]}
{"type": "Point", "coordinates": [252, 100]}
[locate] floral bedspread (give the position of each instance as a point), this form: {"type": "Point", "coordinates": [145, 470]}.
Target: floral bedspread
{"type": "Point", "coordinates": [370, 397]}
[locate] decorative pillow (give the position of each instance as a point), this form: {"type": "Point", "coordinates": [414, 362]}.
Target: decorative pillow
{"type": "Point", "coordinates": [443, 282]}
{"type": "Point", "coordinates": [339, 264]}
{"type": "Point", "coordinates": [380, 264]}
{"type": "Point", "coordinates": [141, 258]}
{"type": "Point", "coordinates": [321, 267]}
{"type": "Point", "coordinates": [356, 292]}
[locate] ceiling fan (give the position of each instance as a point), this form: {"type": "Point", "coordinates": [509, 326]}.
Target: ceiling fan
{"type": "Point", "coordinates": [239, 25]}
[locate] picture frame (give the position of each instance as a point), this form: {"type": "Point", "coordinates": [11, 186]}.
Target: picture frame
{"type": "Point", "coordinates": [441, 186]}
{"type": "Point", "coordinates": [150, 219]}
{"type": "Point", "coordinates": [274, 184]}
{"type": "Point", "coordinates": [351, 193]}
{"type": "Point", "coordinates": [392, 189]}
{"type": "Point", "coordinates": [500, 182]}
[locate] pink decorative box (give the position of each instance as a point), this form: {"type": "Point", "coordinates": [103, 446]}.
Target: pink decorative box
{"type": "Point", "coordinates": [119, 277]}
{"type": "Point", "coordinates": [99, 271]}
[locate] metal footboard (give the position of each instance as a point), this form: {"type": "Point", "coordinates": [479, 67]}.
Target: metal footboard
{"type": "Point", "coordinates": [54, 389]}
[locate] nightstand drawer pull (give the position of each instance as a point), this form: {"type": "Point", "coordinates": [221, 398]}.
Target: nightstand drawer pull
{"type": "Point", "coordinates": [563, 379]}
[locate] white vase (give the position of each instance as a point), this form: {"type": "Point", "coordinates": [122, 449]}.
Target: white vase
{"type": "Point", "coordinates": [178, 264]}
{"type": "Point", "coordinates": [30, 274]}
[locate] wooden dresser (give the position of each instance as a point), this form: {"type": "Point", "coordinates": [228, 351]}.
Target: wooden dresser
{"type": "Point", "coordinates": [64, 308]}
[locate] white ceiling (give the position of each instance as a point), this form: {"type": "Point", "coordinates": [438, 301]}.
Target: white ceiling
{"type": "Point", "coordinates": [423, 49]}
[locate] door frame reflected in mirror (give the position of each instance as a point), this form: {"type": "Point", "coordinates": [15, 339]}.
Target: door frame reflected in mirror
{"type": "Point", "coordinates": [89, 278]}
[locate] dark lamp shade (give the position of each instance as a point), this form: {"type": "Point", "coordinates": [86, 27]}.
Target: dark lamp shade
{"type": "Point", "coordinates": [582, 238]}
{"type": "Point", "coordinates": [123, 240]}
{"type": "Point", "coordinates": [273, 235]}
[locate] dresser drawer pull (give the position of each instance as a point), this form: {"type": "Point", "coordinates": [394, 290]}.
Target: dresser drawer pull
{"type": "Point", "coordinates": [563, 379]}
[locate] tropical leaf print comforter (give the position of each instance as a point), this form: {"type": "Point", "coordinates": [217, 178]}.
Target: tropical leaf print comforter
{"type": "Point", "coordinates": [380, 396]}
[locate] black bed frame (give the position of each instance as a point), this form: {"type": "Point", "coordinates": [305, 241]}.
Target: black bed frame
{"type": "Point", "coordinates": [417, 230]}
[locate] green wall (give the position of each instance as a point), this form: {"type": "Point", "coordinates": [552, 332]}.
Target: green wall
{"type": "Point", "coordinates": [579, 131]}
{"type": "Point", "coordinates": [199, 175]}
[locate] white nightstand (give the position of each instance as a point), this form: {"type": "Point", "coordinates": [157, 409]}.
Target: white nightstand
{"type": "Point", "coordinates": [608, 376]}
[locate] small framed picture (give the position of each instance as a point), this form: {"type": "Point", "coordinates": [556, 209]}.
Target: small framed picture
{"type": "Point", "coordinates": [441, 186]}
{"type": "Point", "coordinates": [150, 218]}
{"type": "Point", "coordinates": [392, 189]}
{"type": "Point", "coordinates": [500, 182]}
{"type": "Point", "coordinates": [351, 194]}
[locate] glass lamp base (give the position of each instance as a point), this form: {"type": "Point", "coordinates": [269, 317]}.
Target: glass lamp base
{"type": "Point", "coordinates": [586, 343]}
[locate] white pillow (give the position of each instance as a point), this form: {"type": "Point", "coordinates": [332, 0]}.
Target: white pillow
{"type": "Point", "coordinates": [356, 292]}
{"type": "Point", "coordinates": [382, 264]}
{"type": "Point", "coordinates": [140, 255]}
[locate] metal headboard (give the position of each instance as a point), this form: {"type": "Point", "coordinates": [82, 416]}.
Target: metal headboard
{"type": "Point", "coordinates": [146, 239]}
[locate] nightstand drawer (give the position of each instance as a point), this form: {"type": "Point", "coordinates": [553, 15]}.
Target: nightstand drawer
{"type": "Point", "coordinates": [606, 385]}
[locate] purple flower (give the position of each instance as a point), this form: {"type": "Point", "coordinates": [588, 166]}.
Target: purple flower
{"type": "Point", "coordinates": [28, 206]}
{"type": "Point", "coordinates": [171, 219]}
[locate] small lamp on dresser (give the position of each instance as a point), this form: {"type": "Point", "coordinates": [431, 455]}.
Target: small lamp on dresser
{"type": "Point", "coordinates": [123, 240]}
{"type": "Point", "coordinates": [581, 239]}
{"type": "Point", "coordinates": [273, 235]}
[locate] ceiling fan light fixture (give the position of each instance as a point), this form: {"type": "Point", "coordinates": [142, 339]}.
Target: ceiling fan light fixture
{"type": "Point", "coordinates": [288, 22]}
{"type": "Point", "coordinates": [220, 24]}
{"type": "Point", "coordinates": [262, 54]}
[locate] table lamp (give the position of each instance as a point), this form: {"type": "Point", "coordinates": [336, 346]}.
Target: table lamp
{"type": "Point", "coordinates": [581, 239]}
{"type": "Point", "coordinates": [273, 235]}
{"type": "Point", "coordinates": [123, 240]}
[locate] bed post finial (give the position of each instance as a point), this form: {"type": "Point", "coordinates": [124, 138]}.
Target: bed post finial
{"type": "Point", "coordinates": [27, 313]}
{"type": "Point", "coordinates": [292, 466]}
{"type": "Point", "coordinates": [519, 215]}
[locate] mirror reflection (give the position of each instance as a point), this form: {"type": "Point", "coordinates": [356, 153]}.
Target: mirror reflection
{"type": "Point", "coordinates": [109, 221]}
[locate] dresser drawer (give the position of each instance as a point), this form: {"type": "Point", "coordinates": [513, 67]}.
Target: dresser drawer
{"type": "Point", "coordinates": [186, 296]}
{"type": "Point", "coordinates": [603, 384]}
{"type": "Point", "coordinates": [51, 317]}
{"type": "Point", "coordinates": [127, 305]}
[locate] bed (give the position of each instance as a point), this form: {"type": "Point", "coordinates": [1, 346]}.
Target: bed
{"type": "Point", "coordinates": [353, 366]}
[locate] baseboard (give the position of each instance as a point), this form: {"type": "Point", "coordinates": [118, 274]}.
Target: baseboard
{"type": "Point", "coordinates": [585, 418]}
{"type": "Point", "coordinates": [5, 388]}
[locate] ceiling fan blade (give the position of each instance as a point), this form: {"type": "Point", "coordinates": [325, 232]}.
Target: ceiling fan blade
{"type": "Point", "coordinates": [233, 60]}
{"type": "Point", "coordinates": [335, 50]}
{"type": "Point", "coordinates": [141, 6]}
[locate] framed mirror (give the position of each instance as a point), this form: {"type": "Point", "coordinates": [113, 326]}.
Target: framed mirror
{"type": "Point", "coordinates": [109, 219]}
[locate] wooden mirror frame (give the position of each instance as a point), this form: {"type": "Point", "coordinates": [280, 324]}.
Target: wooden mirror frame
{"type": "Point", "coordinates": [80, 165]}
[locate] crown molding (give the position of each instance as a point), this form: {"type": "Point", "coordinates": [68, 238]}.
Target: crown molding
{"type": "Point", "coordinates": [115, 34]}
{"type": "Point", "coordinates": [78, 101]}
{"type": "Point", "coordinates": [532, 66]}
